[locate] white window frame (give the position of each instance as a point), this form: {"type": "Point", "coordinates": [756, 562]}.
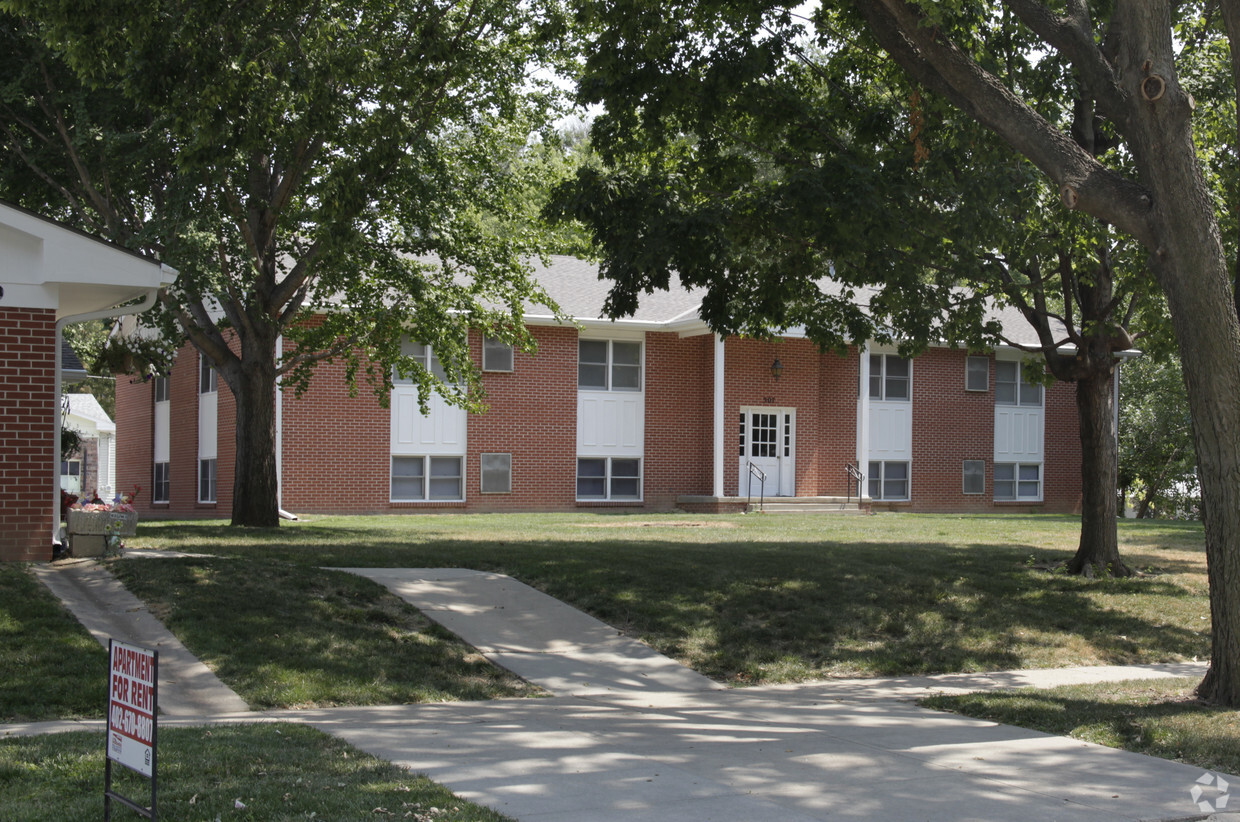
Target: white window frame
{"type": "Point", "coordinates": [504, 460]}
{"type": "Point", "coordinates": [971, 370]}
{"type": "Point", "coordinates": [493, 348]}
{"type": "Point", "coordinates": [426, 357]}
{"type": "Point", "coordinates": [883, 379]}
{"type": "Point", "coordinates": [162, 388]}
{"type": "Point", "coordinates": [964, 476]}
{"type": "Point", "coordinates": [1028, 394]}
{"type": "Point", "coordinates": [1016, 481]}
{"type": "Point", "coordinates": [883, 480]}
{"type": "Point", "coordinates": [427, 476]}
{"type": "Point", "coordinates": [209, 493]}
{"type": "Point", "coordinates": [610, 365]}
{"type": "Point", "coordinates": [161, 491]}
{"type": "Point", "coordinates": [208, 377]}
{"type": "Point", "coordinates": [609, 478]}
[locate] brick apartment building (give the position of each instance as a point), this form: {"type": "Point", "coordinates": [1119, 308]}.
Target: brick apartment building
{"type": "Point", "coordinates": [650, 413]}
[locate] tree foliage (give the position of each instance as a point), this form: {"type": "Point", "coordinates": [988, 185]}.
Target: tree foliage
{"type": "Point", "coordinates": [752, 165]}
{"type": "Point", "coordinates": [335, 175]}
{"type": "Point", "coordinates": [1157, 463]}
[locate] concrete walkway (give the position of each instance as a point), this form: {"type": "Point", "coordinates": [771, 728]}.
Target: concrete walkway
{"type": "Point", "coordinates": [108, 610]}
{"type": "Point", "coordinates": [635, 737]}
{"type": "Point", "coordinates": [538, 638]}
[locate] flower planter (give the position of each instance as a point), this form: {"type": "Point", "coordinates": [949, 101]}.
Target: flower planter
{"type": "Point", "coordinates": [103, 523]}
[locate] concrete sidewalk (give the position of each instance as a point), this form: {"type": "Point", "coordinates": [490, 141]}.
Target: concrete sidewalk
{"type": "Point", "coordinates": [793, 754]}
{"type": "Point", "coordinates": [108, 610]}
{"type": "Point", "coordinates": [634, 736]}
{"type": "Point", "coordinates": [538, 638]}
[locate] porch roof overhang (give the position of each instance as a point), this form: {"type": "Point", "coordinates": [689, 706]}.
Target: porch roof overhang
{"type": "Point", "coordinates": [49, 265]}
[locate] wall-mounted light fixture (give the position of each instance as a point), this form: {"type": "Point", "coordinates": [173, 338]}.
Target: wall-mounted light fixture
{"type": "Point", "coordinates": [777, 369]}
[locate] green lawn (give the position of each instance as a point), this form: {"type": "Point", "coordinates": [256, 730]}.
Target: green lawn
{"type": "Point", "coordinates": [744, 599]}
{"type": "Point", "coordinates": [50, 667]}
{"type": "Point", "coordinates": [1159, 717]}
{"type": "Point", "coordinates": [276, 771]}
{"type": "Point", "coordinates": [296, 636]}
{"type": "Point", "coordinates": [761, 599]}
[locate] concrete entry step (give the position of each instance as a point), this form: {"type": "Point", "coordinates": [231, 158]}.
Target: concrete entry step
{"type": "Point", "coordinates": [784, 507]}
{"type": "Point", "coordinates": [538, 638]}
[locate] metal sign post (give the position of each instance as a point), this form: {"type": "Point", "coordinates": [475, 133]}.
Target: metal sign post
{"type": "Point", "coordinates": [133, 689]}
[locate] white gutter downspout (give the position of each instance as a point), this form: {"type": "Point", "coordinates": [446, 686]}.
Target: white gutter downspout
{"type": "Point", "coordinates": [717, 461]}
{"type": "Point", "coordinates": [280, 512]}
{"type": "Point", "coordinates": [101, 314]}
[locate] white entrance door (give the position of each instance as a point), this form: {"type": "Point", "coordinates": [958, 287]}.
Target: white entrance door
{"type": "Point", "coordinates": [767, 443]}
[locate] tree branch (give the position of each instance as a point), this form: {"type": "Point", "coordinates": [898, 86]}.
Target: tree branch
{"type": "Point", "coordinates": [1083, 182]}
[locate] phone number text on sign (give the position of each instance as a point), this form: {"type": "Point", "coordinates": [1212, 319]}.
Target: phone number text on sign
{"type": "Point", "coordinates": [131, 707]}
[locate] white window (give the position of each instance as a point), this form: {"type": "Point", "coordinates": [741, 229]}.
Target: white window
{"type": "Point", "coordinates": [890, 377]}
{"type": "Point", "coordinates": [496, 355]}
{"type": "Point", "coordinates": [1018, 481]}
{"type": "Point", "coordinates": [418, 479]}
{"type": "Point", "coordinates": [206, 480]}
{"type": "Point", "coordinates": [162, 389]}
{"type": "Point", "coordinates": [609, 365]}
{"type": "Point", "coordinates": [161, 488]}
{"type": "Point", "coordinates": [425, 357]}
{"type": "Point", "coordinates": [977, 374]}
{"type": "Point", "coordinates": [1011, 387]}
{"type": "Point", "coordinates": [888, 480]}
{"type": "Point", "coordinates": [208, 380]}
{"type": "Point", "coordinates": [71, 476]}
{"type": "Point", "coordinates": [609, 478]}
{"type": "Point", "coordinates": [974, 476]}
{"type": "Point", "coordinates": [496, 474]}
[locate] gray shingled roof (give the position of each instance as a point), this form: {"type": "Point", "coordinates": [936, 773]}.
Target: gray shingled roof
{"type": "Point", "coordinates": [575, 285]}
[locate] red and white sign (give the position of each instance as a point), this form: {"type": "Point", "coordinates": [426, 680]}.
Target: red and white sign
{"type": "Point", "coordinates": [131, 707]}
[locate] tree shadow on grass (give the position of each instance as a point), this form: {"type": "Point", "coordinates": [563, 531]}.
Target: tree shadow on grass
{"type": "Point", "coordinates": [747, 612]}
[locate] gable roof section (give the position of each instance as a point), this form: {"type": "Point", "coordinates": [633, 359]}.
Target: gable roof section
{"type": "Point", "coordinates": [575, 285]}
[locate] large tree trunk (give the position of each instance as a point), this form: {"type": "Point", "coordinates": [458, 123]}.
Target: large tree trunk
{"type": "Point", "coordinates": [1098, 552]}
{"type": "Point", "coordinates": [255, 492]}
{"type": "Point", "coordinates": [1191, 268]}
{"type": "Point", "coordinates": [1174, 218]}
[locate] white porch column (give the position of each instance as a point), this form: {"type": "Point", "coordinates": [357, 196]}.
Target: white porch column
{"type": "Point", "coordinates": [717, 485]}
{"type": "Point", "coordinates": [863, 412]}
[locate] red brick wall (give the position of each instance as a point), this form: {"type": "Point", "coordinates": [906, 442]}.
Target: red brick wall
{"type": "Point", "coordinates": [135, 442]}
{"type": "Point", "coordinates": [532, 415]}
{"type": "Point", "coordinates": [28, 456]}
{"type": "Point", "coordinates": [679, 418]}
{"type": "Point", "coordinates": [135, 439]}
{"type": "Point", "coordinates": [950, 425]}
{"type": "Point", "coordinates": [1061, 481]}
{"type": "Point", "coordinates": [336, 447]}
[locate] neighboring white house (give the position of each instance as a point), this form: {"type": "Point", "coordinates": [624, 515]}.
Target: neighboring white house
{"type": "Point", "coordinates": [93, 468]}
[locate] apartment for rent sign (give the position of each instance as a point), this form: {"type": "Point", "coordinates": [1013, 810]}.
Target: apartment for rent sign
{"type": "Point", "coordinates": [131, 707]}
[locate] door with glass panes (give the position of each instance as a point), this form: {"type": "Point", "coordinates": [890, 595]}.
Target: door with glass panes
{"type": "Point", "coordinates": [768, 444]}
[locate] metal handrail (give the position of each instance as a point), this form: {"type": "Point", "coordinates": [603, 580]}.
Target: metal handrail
{"type": "Point", "coordinates": [854, 474]}
{"type": "Point", "coordinates": [755, 471]}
